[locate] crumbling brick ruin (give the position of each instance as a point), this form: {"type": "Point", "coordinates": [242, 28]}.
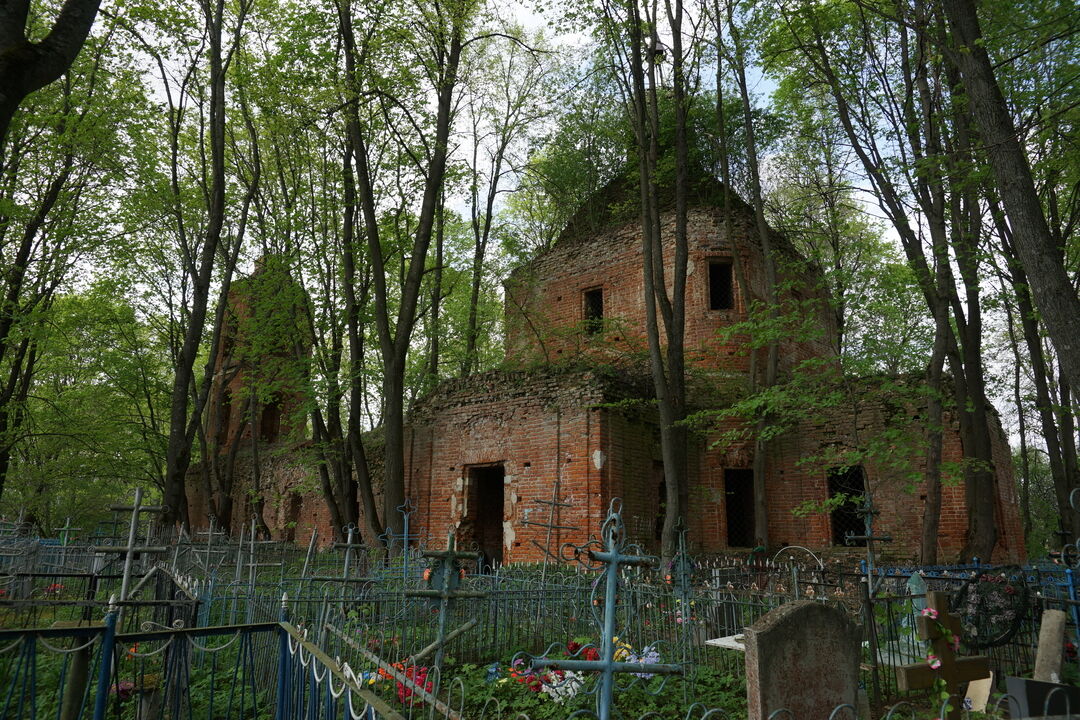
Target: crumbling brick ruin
{"type": "Point", "coordinates": [486, 453]}
{"type": "Point", "coordinates": [569, 418]}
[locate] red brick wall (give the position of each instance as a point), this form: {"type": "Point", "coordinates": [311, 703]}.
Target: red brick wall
{"type": "Point", "coordinates": [540, 427]}
{"type": "Point", "coordinates": [545, 299]}
{"type": "Point", "coordinates": [543, 426]}
{"type": "Point", "coordinates": [269, 304]}
{"type": "Point", "coordinates": [548, 420]}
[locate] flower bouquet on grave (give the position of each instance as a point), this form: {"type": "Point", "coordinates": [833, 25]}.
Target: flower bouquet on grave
{"type": "Point", "coordinates": [559, 686]}
{"type": "Point", "coordinates": [573, 670]}
{"type": "Point", "coordinates": [417, 677]}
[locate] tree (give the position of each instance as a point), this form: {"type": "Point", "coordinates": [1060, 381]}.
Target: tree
{"type": "Point", "coordinates": [912, 139]}
{"type": "Point", "coordinates": [583, 147]}
{"type": "Point", "coordinates": [198, 227]}
{"type": "Point", "coordinates": [64, 159]}
{"type": "Point", "coordinates": [737, 59]}
{"type": "Point", "coordinates": [632, 33]}
{"type": "Point", "coordinates": [502, 103]}
{"type": "Point", "coordinates": [437, 50]}
{"type": "Point", "coordinates": [27, 66]}
{"type": "Point", "coordinates": [95, 412]}
{"type": "Point", "coordinates": [1040, 252]}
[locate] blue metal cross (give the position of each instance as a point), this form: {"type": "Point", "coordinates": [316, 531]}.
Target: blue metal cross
{"type": "Point", "coordinates": [611, 555]}
{"type": "Point", "coordinates": [445, 581]}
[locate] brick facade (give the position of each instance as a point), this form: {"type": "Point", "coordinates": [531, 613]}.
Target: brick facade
{"type": "Point", "coordinates": [570, 417]}
{"type": "Point", "coordinates": [562, 419]}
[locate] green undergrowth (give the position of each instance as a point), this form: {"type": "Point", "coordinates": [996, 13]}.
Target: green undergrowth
{"type": "Point", "coordinates": [500, 691]}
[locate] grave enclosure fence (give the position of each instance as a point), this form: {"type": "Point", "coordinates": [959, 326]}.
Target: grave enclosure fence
{"type": "Point", "coordinates": [202, 632]}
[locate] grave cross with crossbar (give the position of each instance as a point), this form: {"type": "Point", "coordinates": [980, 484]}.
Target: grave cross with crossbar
{"type": "Point", "coordinates": [444, 589]}
{"type": "Point", "coordinates": [940, 631]}
{"type": "Point", "coordinates": [612, 554]}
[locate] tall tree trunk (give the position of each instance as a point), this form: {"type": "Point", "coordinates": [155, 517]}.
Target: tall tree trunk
{"type": "Point", "coordinates": [395, 335]}
{"type": "Point", "coordinates": [1021, 416]}
{"type": "Point", "coordinates": [1067, 423]}
{"type": "Point", "coordinates": [1042, 375]}
{"type": "Point", "coordinates": [356, 353]}
{"type": "Point", "coordinates": [437, 293]}
{"type": "Point", "coordinates": [1042, 257]}
{"type": "Point", "coordinates": [935, 428]}
{"type": "Point", "coordinates": [772, 361]}
{"type": "Point", "coordinates": [662, 313]}
{"type": "Point", "coordinates": [919, 123]}
{"type": "Point", "coordinates": [967, 215]}
{"type": "Point", "coordinates": [182, 421]}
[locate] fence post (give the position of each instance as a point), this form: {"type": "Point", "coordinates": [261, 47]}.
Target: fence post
{"type": "Point", "coordinates": [282, 711]}
{"type": "Point", "coordinates": [108, 642]}
{"type": "Point", "coordinates": [1073, 608]}
{"type": "Point", "coordinates": [870, 628]}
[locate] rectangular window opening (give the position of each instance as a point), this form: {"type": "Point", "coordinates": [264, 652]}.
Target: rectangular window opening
{"type": "Point", "coordinates": [721, 288]}
{"type": "Point", "coordinates": [850, 483]}
{"type": "Point", "coordinates": [270, 420]}
{"type": "Point", "coordinates": [739, 506]}
{"type": "Point", "coordinates": [594, 311]}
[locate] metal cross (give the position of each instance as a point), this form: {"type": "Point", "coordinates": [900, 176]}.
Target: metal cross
{"type": "Point", "coordinates": [552, 523]}
{"type": "Point", "coordinates": [611, 555]}
{"type": "Point", "coordinates": [444, 583]}
{"type": "Point", "coordinates": [252, 564]}
{"type": "Point", "coordinates": [868, 511]}
{"type": "Point", "coordinates": [551, 526]}
{"type": "Point", "coordinates": [210, 534]}
{"type": "Point", "coordinates": [130, 549]}
{"type": "Point", "coordinates": [390, 538]}
{"type": "Point", "coordinates": [349, 545]}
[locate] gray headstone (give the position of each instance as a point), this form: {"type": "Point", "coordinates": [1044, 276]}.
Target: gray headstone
{"type": "Point", "coordinates": [1051, 639]}
{"type": "Point", "coordinates": [803, 657]}
{"type": "Point", "coordinates": [916, 586]}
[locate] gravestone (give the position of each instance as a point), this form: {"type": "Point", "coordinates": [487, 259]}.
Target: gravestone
{"type": "Point", "coordinates": [916, 587]}
{"type": "Point", "coordinates": [803, 657]}
{"type": "Point", "coordinates": [978, 692]}
{"type": "Point", "coordinates": [1031, 698]}
{"type": "Point", "coordinates": [1051, 646]}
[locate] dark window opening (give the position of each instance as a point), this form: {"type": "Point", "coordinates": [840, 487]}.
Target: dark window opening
{"type": "Point", "coordinates": [739, 507]}
{"type": "Point", "coordinates": [483, 521]}
{"type": "Point", "coordinates": [850, 483]}
{"type": "Point", "coordinates": [270, 421]}
{"type": "Point", "coordinates": [594, 311]}
{"type": "Point", "coordinates": [721, 288]}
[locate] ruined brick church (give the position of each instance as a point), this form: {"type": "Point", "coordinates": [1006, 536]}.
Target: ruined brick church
{"type": "Point", "coordinates": [519, 460]}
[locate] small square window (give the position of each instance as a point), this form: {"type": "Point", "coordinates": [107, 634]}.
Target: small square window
{"type": "Point", "coordinates": [594, 311]}
{"type": "Point", "coordinates": [721, 288]}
